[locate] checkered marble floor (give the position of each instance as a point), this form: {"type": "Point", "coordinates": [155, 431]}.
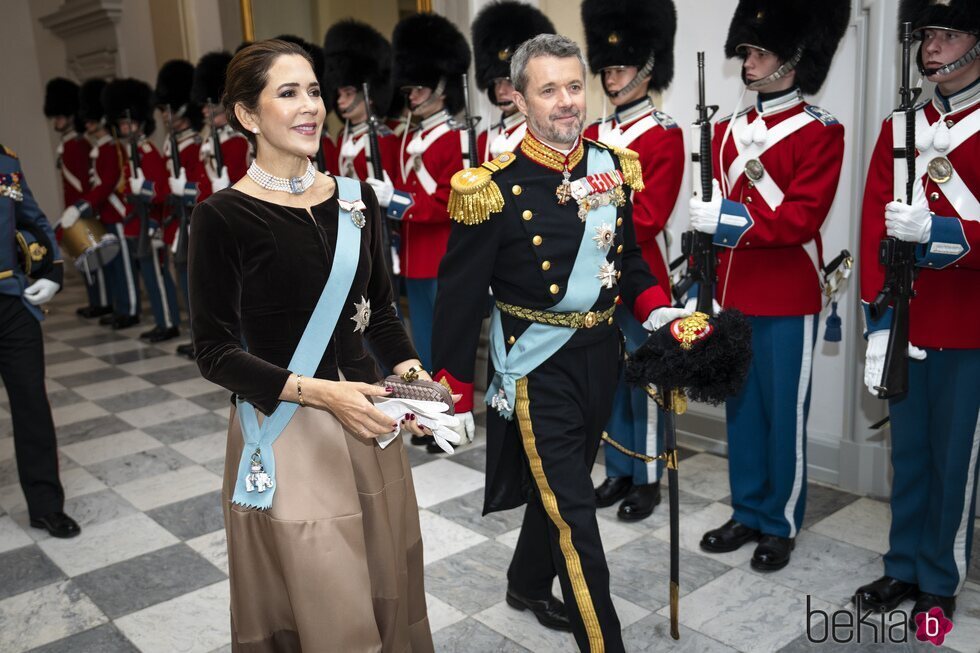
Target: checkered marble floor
{"type": "Point", "coordinates": [142, 442]}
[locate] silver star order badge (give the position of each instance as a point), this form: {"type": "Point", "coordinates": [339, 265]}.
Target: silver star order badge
{"type": "Point", "coordinates": [604, 236]}
{"type": "Point", "coordinates": [607, 274]}
{"type": "Point", "coordinates": [362, 314]}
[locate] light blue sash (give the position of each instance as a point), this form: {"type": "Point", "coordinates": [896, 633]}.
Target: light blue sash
{"type": "Point", "coordinates": [540, 341]}
{"type": "Point", "coordinates": [305, 361]}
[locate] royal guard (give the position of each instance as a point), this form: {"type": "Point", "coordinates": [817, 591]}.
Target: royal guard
{"type": "Point", "coordinates": [430, 57]}
{"type": "Point", "coordinates": [129, 113]}
{"type": "Point", "coordinates": [778, 163]}
{"type": "Point", "coordinates": [183, 121]}
{"type": "Point", "coordinates": [935, 433]}
{"type": "Point", "coordinates": [549, 229]}
{"type": "Point", "coordinates": [497, 31]}
{"type": "Point", "coordinates": [206, 92]}
{"type": "Point", "coordinates": [61, 106]}
{"type": "Point", "coordinates": [630, 45]}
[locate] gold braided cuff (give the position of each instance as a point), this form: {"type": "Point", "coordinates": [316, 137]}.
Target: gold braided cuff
{"type": "Point", "coordinates": [573, 320]}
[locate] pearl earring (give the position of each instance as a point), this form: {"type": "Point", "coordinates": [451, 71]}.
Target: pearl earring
{"type": "Point", "coordinates": [255, 130]}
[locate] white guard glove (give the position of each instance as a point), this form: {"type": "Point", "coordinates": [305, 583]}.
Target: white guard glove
{"type": "Point", "coordinates": [704, 215]}
{"type": "Point", "coordinates": [874, 359]}
{"type": "Point", "coordinates": [431, 414]}
{"type": "Point", "coordinates": [467, 427]}
{"type": "Point", "coordinates": [220, 182]}
{"type": "Point", "coordinates": [136, 183]}
{"type": "Point", "coordinates": [910, 222]}
{"type": "Point", "coordinates": [41, 291]}
{"type": "Point", "coordinates": [664, 315]}
{"type": "Point", "coordinates": [692, 305]}
{"type": "Point", "coordinates": [69, 217]}
{"type": "Point", "coordinates": [383, 189]}
{"type": "Point", "coordinates": [178, 183]}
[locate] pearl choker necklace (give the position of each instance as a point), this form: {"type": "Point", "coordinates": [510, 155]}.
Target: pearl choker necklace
{"type": "Point", "coordinates": [294, 185]}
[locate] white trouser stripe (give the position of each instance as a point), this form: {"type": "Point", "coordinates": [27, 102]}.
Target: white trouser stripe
{"type": "Point", "coordinates": [959, 544]}
{"type": "Point", "coordinates": [167, 322]}
{"type": "Point", "coordinates": [651, 449]}
{"type": "Point", "coordinates": [127, 268]}
{"type": "Point", "coordinates": [804, 385]}
{"type": "Point", "coordinates": [100, 279]}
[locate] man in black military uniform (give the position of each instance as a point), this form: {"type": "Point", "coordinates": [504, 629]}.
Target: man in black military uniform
{"type": "Point", "coordinates": [28, 251]}
{"type": "Point", "coordinates": [549, 229]}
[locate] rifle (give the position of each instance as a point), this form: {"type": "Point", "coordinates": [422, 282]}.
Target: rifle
{"type": "Point", "coordinates": [180, 256]}
{"type": "Point", "coordinates": [377, 171]}
{"type": "Point", "coordinates": [219, 161]}
{"type": "Point", "coordinates": [697, 246]}
{"type": "Point", "coordinates": [470, 121]}
{"type": "Point", "coordinates": [896, 255]}
{"type": "Point", "coordinates": [143, 247]}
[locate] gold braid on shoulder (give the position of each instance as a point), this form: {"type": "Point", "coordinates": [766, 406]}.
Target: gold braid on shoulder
{"type": "Point", "coordinates": [474, 195]}
{"type": "Point", "coordinates": [629, 163]}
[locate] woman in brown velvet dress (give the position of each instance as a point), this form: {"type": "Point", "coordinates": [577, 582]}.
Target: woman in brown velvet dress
{"type": "Point", "coordinates": [335, 564]}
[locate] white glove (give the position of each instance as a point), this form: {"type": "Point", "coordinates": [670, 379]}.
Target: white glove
{"type": "Point", "coordinates": [220, 182]}
{"type": "Point", "coordinates": [910, 222]}
{"type": "Point", "coordinates": [136, 183]}
{"type": "Point", "coordinates": [431, 414]}
{"type": "Point", "coordinates": [664, 315]}
{"type": "Point", "coordinates": [41, 291]}
{"type": "Point", "coordinates": [69, 217]}
{"type": "Point", "coordinates": [383, 189]}
{"type": "Point", "coordinates": [874, 359]}
{"type": "Point", "coordinates": [704, 215]}
{"type": "Point", "coordinates": [178, 183]}
{"type": "Point", "coordinates": [692, 305]}
{"type": "Point", "coordinates": [467, 427]}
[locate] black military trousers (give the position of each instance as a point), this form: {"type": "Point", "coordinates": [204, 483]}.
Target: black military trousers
{"type": "Point", "coordinates": [560, 412]}
{"type": "Point", "coordinates": [22, 371]}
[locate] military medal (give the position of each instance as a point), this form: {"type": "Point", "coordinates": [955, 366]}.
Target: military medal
{"type": "Point", "coordinates": [564, 190]}
{"type": "Point", "coordinates": [940, 170]}
{"type": "Point", "coordinates": [356, 210]}
{"type": "Point", "coordinates": [362, 315]}
{"type": "Point", "coordinates": [754, 169]}
{"type": "Point", "coordinates": [607, 274]}
{"type": "Point", "coordinates": [604, 236]}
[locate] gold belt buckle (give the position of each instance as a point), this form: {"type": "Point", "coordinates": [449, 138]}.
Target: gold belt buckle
{"type": "Point", "coordinates": [940, 170]}
{"type": "Point", "coordinates": [590, 319]}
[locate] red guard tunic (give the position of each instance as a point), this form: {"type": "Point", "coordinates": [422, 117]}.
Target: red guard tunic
{"type": "Point", "coordinates": [104, 198]}
{"type": "Point", "coordinates": [430, 158]}
{"type": "Point", "coordinates": [74, 164]}
{"type": "Point", "coordinates": [781, 175]}
{"type": "Point", "coordinates": [659, 142]}
{"type": "Point", "coordinates": [351, 154]}
{"type": "Point", "coordinates": [235, 151]}
{"type": "Point", "coordinates": [505, 136]}
{"type": "Point", "coordinates": [949, 264]}
{"type": "Point", "coordinates": [189, 146]}
{"type": "Point", "coordinates": [154, 168]}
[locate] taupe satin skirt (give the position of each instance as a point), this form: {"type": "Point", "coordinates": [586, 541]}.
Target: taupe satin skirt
{"type": "Point", "coordinates": [336, 564]}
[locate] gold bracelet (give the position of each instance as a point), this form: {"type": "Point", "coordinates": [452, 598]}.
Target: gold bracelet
{"type": "Point", "coordinates": [299, 389]}
{"type": "Point", "coordinates": [411, 374]}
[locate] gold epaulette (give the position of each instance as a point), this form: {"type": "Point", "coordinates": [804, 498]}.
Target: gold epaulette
{"type": "Point", "coordinates": [9, 152]}
{"type": "Point", "coordinates": [475, 195]}
{"type": "Point", "coordinates": [629, 163]}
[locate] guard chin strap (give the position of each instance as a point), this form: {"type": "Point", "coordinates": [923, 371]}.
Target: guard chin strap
{"type": "Point", "coordinates": [353, 105]}
{"type": "Point", "coordinates": [965, 60]}
{"type": "Point", "coordinates": [641, 75]}
{"type": "Point", "coordinates": [780, 72]}
{"type": "Point", "coordinates": [439, 90]}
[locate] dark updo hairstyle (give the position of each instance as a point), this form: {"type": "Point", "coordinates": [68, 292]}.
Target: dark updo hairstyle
{"type": "Point", "coordinates": [248, 73]}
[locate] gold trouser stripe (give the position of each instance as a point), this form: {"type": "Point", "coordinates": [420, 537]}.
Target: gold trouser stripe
{"type": "Point", "coordinates": [583, 598]}
{"type": "Point", "coordinates": [6, 274]}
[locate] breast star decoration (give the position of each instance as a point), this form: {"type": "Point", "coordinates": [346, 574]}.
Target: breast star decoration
{"type": "Point", "coordinates": [607, 274]}
{"type": "Point", "coordinates": [604, 236]}
{"type": "Point", "coordinates": [362, 315]}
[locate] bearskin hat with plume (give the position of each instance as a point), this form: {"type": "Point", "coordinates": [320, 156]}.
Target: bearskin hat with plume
{"type": "Point", "coordinates": [90, 101]}
{"type": "Point", "coordinates": [129, 95]}
{"type": "Point", "coordinates": [355, 53]}
{"type": "Point", "coordinates": [209, 78]}
{"type": "Point", "coordinates": [627, 32]}
{"type": "Point", "coordinates": [60, 97]}
{"type": "Point", "coordinates": [784, 27]}
{"type": "Point", "coordinates": [497, 31]}
{"type": "Point", "coordinates": [427, 48]}
{"type": "Point", "coordinates": [959, 15]}
{"type": "Point", "coordinates": [312, 49]}
{"type": "Point", "coordinates": [173, 91]}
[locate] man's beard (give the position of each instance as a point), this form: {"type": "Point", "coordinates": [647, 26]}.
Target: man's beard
{"type": "Point", "coordinates": [549, 131]}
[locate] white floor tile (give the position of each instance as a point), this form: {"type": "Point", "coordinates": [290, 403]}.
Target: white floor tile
{"type": "Point", "coordinates": [110, 446]}
{"type": "Point", "coordinates": [204, 448]}
{"type": "Point", "coordinates": [442, 538]}
{"type": "Point", "coordinates": [441, 614]}
{"type": "Point", "coordinates": [114, 347]}
{"type": "Point", "coordinates": [74, 367]}
{"type": "Point", "coordinates": [45, 615]}
{"type": "Point", "coordinates": [64, 415]}
{"type": "Point", "coordinates": [693, 527]}
{"type": "Point", "coordinates": [441, 479]}
{"type": "Point", "coordinates": [213, 548]}
{"type": "Point", "coordinates": [103, 389]}
{"type": "Point", "coordinates": [191, 387]}
{"type": "Point", "coordinates": [864, 523]}
{"type": "Point", "coordinates": [193, 623]}
{"type": "Point", "coordinates": [157, 364]}
{"type": "Point", "coordinates": [156, 491]}
{"type": "Point", "coordinates": [705, 475]}
{"type": "Point", "coordinates": [12, 536]}
{"type": "Point", "coordinates": [523, 627]}
{"type": "Point", "coordinates": [160, 413]}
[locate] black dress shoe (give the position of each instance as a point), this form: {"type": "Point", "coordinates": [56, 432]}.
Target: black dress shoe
{"type": "Point", "coordinates": [729, 537]}
{"type": "Point", "coordinates": [419, 440]}
{"type": "Point", "coordinates": [164, 334]}
{"type": "Point", "coordinates": [125, 321]}
{"type": "Point", "coordinates": [927, 602]}
{"type": "Point", "coordinates": [108, 319]}
{"type": "Point", "coordinates": [549, 612]}
{"type": "Point", "coordinates": [639, 502]}
{"type": "Point", "coordinates": [773, 553]}
{"type": "Point", "coordinates": [89, 312]}
{"type": "Point", "coordinates": [612, 490]}
{"type": "Point", "coordinates": [186, 350]}
{"type": "Point", "coordinates": [434, 448]}
{"type": "Point", "coordinates": [58, 524]}
{"type": "Point", "coordinates": [146, 335]}
{"type": "Point", "coordinates": [884, 594]}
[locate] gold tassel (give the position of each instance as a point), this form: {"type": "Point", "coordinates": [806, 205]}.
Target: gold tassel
{"type": "Point", "coordinates": [629, 163]}
{"type": "Point", "coordinates": [474, 196]}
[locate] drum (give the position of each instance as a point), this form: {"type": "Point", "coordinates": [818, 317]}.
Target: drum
{"type": "Point", "coordinates": [87, 242]}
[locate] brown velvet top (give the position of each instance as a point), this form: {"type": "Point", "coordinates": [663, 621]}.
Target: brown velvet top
{"type": "Point", "coordinates": [256, 272]}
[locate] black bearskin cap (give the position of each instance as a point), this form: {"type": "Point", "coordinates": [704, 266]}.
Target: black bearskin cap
{"type": "Point", "coordinates": [626, 32]}
{"type": "Point", "coordinates": [497, 31]}
{"type": "Point", "coordinates": [354, 53]}
{"type": "Point", "coordinates": [316, 54]}
{"type": "Point", "coordinates": [209, 78]}
{"type": "Point", "coordinates": [711, 367]}
{"type": "Point", "coordinates": [60, 98]}
{"type": "Point", "coordinates": [783, 26]}
{"type": "Point", "coordinates": [173, 90]}
{"type": "Point", "coordinates": [958, 15]}
{"type": "Point", "coordinates": [90, 100]}
{"type": "Point", "coordinates": [427, 47]}
{"type": "Point", "coordinates": [132, 95]}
